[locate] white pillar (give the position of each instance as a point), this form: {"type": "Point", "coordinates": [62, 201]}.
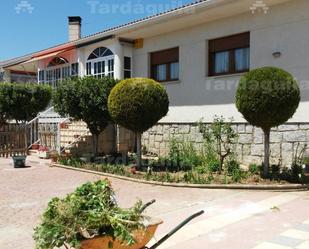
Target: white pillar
{"type": "Point", "coordinates": [7, 76]}
{"type": "Point", "coordinates": [118, 74]}
{"type": "Point", "coordinates": [82, 64]}
{"type": "Point", "coordinates": [119, 60]}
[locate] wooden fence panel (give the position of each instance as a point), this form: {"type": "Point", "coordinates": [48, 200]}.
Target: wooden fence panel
{"type": "Point", "coordinates": [13, 140]}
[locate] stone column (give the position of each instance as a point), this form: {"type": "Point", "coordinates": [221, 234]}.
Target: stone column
{"type": "Point", "coordinates": [118, 74]}
{"type": "Point", "coordinates": [119, 57]}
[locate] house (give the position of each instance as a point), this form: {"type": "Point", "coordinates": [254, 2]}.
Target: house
{"type": "Point", "coordinates": [198, 52]}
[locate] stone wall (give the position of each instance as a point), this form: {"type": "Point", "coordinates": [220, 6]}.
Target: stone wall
{"type": "Point", "coordinates": [78, 130]}
{"type": "Point", "coordinates": [284, 140]}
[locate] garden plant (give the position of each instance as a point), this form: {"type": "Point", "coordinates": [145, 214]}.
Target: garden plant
{"type": "Point", "coordinates": [22, 102]}
{"type": "Point", "coordinates": [267, 97]}
{"type": "Point", "coordinates": [137, 104]}
{"type": "Point", "coordinates": [90, 211]}
{"type": "Point", "coordinates": [221, 135]}
{"type": "Point", "coordinates": [86, 99]}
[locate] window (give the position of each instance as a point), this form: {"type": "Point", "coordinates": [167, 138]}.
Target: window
{"type": "Point", "coordinates": [74, 69]}
{"type": "Point", "coordinates": [165, 65]}
{"type": "Point", "coordinates": [100, 63]}
{"type": "Point", "coordinates": [229, 55]}
{"type": "Point", "coordinates": [41, 76]}
{"type": "Point", "coordinates": [57, 70]}
{"type": "Point", "coordinates": [88, 68]}
{"type": "Point", "coordinates": [127, 67]}
{"type": "Point", "coordinates": [111, 68]}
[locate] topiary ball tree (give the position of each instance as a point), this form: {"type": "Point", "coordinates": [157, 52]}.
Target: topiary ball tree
{"type": "Point", "coordinates": [137, 104]}
{"type": "Point", "coordinates": [267, 97]}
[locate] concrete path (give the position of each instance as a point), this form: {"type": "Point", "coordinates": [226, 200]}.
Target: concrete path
{"type": "Point", "coordinates": [233, 220]}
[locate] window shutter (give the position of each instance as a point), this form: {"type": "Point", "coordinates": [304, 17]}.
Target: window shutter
{"type": "Point", "coordinates": [165, 56]}
{"type": "Point", "coordinates": [229, 42]}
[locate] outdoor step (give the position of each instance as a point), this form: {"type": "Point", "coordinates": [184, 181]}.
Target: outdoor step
{"type": "Point", "coordinates": [33, 152]}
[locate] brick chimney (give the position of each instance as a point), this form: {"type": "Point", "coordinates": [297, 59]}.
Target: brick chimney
{"type": "Point", "coordinates": [75, 24]}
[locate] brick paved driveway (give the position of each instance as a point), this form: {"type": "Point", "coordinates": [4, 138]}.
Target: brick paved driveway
{"type": "Point", "coordinates": [233, 219]}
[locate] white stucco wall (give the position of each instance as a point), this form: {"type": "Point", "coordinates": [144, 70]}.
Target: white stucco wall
{"type": "Point", "coordinates": [195, 96]}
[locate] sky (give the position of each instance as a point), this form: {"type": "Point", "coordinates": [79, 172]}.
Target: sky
{"type": "Point", "coordinates": [44, 22]}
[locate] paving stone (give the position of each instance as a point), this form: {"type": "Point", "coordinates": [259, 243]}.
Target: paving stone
{"type": "Point", "coordinates": [286, 241]}
{"type": "Point", "coordinates": [304, 245]}
{"type": "Point", "coordinates": [296, 234]}
{"type": "Point", "coordinates": [303, 227]}
{"type": "Point", "coordinates": [268, 245]}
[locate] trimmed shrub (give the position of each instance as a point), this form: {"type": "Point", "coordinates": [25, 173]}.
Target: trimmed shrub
{"type": "Point", "coordinates": [267, 97]}
{"type": "Point", "coordinates": [137, 104]}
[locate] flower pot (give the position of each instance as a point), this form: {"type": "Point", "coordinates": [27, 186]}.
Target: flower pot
{"type": "Point", "coordinates": [44, 154]}
{"type": "Point", "coordinates": [133, 170]}
{"type": "Point", "coordinates": [35, 146]}
{"type": "Point", "coordinates": [19, 161]}
{"type": "Point", "coordinates": [141, 237]}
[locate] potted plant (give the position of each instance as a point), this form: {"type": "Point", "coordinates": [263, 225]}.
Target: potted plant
{"type": "Point", "coordinates": [19, 161]}
{"type": "Point", "coordinates": [53, 155]}
{"type": "Point", "coordinates": [43, 152]}
{"type": "Point", "coordinates": [88, 218]}
{"type": "Point", "coordinates": [35, 146]}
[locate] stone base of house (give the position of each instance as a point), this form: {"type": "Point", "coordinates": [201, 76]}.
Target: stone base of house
{"type": "Point", "coordinates": [78, 130]}
{"type": "Point", "coordinates": [285, 140]}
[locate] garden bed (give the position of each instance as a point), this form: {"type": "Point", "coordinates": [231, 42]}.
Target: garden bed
{"type": "Point", "coordinates": [183, 179]}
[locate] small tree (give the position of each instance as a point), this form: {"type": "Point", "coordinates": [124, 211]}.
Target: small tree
{"type": "Point", "coordinates": [5, 102]}
{"type": "Point", "coordinates": [267, 97]}
{"type": "Point", "coordinates": [23, 102]}
{"type": "Point", "coordinates": [221, 135]}
{"type": "Point", "coordinates": [28, 100]}
{"type": "Point", "coordinates": [85, 99]}
{"type": "Point", "coordinates": [137, 104]}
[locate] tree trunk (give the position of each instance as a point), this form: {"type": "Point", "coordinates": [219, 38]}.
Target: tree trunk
{"type": "Point", "coordinates": [139, 149]}
{"type": "Point", "coordinates": [95, 138]}
{"type": "Point", "coordinates": [266, 153]}
{"type": "Point", "coordinates": [115, 138]}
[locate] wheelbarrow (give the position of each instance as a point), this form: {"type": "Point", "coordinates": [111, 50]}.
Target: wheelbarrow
{"type": "Point", "coordinates": [142, 237]}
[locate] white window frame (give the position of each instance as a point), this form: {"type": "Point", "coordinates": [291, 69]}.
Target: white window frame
{"type": "Point", "coordinates": [53, 82]}
{"type": "Point", "coordinates": [106, 72]}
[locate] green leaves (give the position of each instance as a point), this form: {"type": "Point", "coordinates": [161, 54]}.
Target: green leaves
{"type": "Point", "coordinates": [85, 99]}
{"type": "Point", "coordinates": [267, 97]}
{"type": "Point", "coordinates": [90, 208]}
{"type": "Point", "coordinates": [23, 102]}
{"type": "Point", "coordinates": [138, 103]}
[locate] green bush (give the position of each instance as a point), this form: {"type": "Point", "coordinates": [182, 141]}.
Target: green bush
{"type": "Point", "coordinates": [213, 166]}
{"type": "Point", "coordinates": [232, 166]}
{"type": "Point", "coordinates": [138, 103]}
{"type": "Point", "coordinates": [85, 99]}
{"type": "Point", "coordinates": [183, 155]}
{"type": "Point", "coordinates": [267, 97]}
{"type": "Point", "coordinates": [254, 169]}
{"type": "Point", "coordinates": [22, 102]}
